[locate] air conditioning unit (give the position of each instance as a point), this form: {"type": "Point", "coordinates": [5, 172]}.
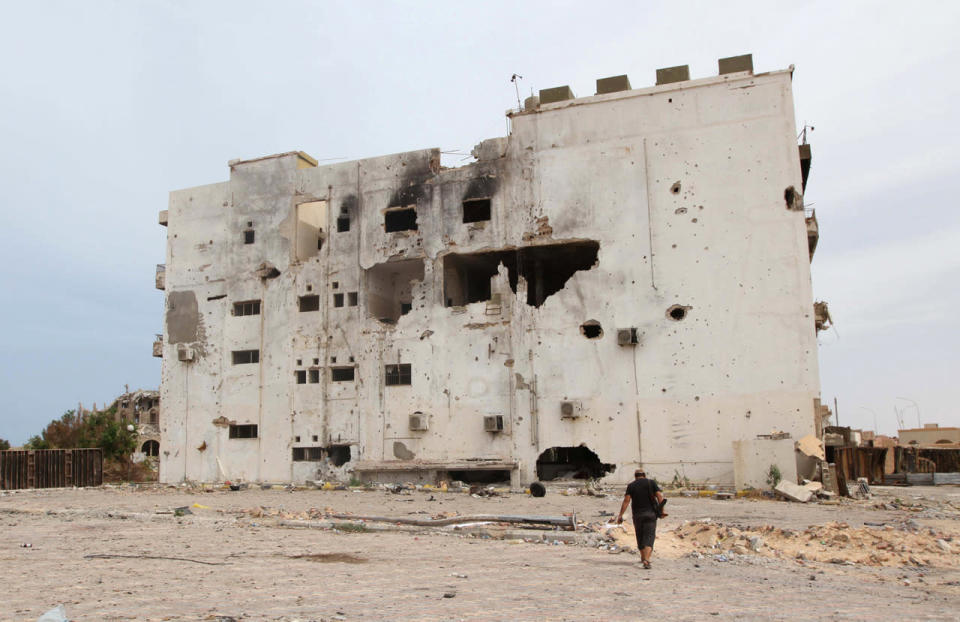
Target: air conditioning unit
{"type": "Point", "coordinates": [627, 337]}
{"type": "Point", "coordinates": [419, 423]}
{"type": "Point", "coordinates": [571, 409]}
{"type": "Point", "coordinates": [493, 423]}
{"type": "Point", "coordinates": [184, 353]}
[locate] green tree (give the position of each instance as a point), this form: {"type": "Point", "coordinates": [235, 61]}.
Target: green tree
{"type": "Point", "coordinates": [36, 442]}
{"type": "Point", "coordinates": [4, 444]}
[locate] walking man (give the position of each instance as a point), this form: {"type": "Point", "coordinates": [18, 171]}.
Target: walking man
{"type": "Point", "coordinates": [647, 501]}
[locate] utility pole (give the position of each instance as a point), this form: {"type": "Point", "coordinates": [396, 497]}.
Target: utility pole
{"type": "Point", "coordinates": [836, 411]}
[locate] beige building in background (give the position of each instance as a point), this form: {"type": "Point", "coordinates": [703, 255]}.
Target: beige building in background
{"type": "Point", "coordinates": [622, 280]}
{"type": "Point", "coordinates": [931, 434]}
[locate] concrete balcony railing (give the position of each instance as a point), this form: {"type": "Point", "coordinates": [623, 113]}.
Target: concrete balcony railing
{"type": "Point", "coordinates": [161, 276]}
{"type": "Point", "coordinates": [158, 346]}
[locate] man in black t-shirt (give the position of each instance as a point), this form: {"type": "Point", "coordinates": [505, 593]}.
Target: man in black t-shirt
{"type": "Point", "coordinates": [641, 493]}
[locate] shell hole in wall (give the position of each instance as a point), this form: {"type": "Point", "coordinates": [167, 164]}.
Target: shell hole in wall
{"type": "Point", "coordinates": [675, 188]}
{"type": "Point", "coordinates": [545, 268]}
{"type": "Point", "coordinates": [571, 463]}
{"type": "Point", "coordinates": [677, 312]}
{"type": "Point", "coordinates": [591, 329]}
{"type": "Point", "coordinates": [338, 455]}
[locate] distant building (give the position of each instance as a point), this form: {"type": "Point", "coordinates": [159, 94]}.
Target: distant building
{"type": "Point", "coordinates": [930, 435]}
{"type": "Point", "coordinates": [141, 408]}
{"type": "Point", "coordinates": [623, 280]}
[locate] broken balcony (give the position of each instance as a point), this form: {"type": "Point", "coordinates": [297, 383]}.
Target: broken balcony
{"type": "Point", "coordinates": [813, 232]}
{"type": "Point", "coordinates": [390, 289]}
{"type": "Point", "coordinates": [161, 277]}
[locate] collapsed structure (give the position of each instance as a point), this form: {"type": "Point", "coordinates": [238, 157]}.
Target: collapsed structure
{"type": "Point", "coordinates": [622, 280]}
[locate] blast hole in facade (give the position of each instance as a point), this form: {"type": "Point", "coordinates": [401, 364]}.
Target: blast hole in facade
{"type": "Point", "coordinates": [546, 269]}
{"type": "Point", "coordinates": [339, 455]}
{"type": "Point", "coordinates": [677, 312]}
{"type": "Point", "coordinates": [571, 463]}
{"type": "Point", "coordinates": [591, 329]}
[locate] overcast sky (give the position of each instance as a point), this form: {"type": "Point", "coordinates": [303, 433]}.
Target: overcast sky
{"type": "Point", "coordinates": [107, 106]}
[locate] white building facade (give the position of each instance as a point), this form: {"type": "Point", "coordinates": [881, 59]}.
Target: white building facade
{"type": "Point", "coordinates": [623, 280]}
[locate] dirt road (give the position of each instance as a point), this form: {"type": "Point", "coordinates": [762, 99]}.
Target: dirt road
{"type": "Point", "coordinates": [234, 561]}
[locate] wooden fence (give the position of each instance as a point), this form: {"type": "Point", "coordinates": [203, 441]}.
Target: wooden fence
{"type": "Point", "coordinates": [50, 468]}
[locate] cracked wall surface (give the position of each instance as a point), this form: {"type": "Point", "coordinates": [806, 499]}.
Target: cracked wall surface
{"type": "Point", "coordinates": [675, 191]}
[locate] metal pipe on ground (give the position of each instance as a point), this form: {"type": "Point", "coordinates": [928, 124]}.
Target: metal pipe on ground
{"type": "Point", "coordinates": [569, 522]}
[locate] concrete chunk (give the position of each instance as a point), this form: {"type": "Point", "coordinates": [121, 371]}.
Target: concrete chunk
{"type": "Point", "coordinates": [793, 492]}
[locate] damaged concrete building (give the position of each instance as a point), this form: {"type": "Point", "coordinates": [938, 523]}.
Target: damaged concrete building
{"type": "Point", "coordinates": [624, 279]}
{"type": "Point", "coordinates": [142, 409]}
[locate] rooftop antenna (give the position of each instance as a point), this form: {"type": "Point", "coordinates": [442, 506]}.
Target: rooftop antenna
{"type": "Point", "coordinates": [803, 133]}
{"type": "Point", "coordinates": [516, 87]}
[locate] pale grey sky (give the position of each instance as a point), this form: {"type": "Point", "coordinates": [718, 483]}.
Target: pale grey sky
{"type": "Point", "coordinates": [107, 106]}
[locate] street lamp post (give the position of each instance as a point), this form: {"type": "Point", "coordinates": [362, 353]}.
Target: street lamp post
{"type": "Point", "coordinates": [915, 405]}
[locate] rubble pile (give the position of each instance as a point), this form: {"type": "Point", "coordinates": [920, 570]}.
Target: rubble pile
{"type": "Point", "coordinates": [897, 544]}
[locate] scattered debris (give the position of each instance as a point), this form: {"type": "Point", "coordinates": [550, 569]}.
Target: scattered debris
{"type": "Point", "coordinates": [793, 492]}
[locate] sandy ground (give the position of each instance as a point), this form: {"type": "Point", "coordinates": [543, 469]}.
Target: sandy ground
{"type": "Point", "coordinates": [896, 556]}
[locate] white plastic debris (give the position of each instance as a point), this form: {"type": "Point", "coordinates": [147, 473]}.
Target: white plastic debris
{"type": "Point", "coordinates": [57, 614]}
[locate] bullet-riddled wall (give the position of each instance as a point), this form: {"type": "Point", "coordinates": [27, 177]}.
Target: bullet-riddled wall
{"type": "Point", "coordinates": [622, 280]}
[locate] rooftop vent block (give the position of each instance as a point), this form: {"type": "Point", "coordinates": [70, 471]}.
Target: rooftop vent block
{"type": "Point", "coordinates": [493, 423]}
{"type": "Point", "coordinates": [669, 75]}
{"type": "Point", "coordinates": [556, 94]}
{"type": "Point", "coordinates": [419, 423]}
{"type": "Point", "coordinates": [627, 337]}
{"type": "Point", "coordinates": [733, 64]}
{"type": "Point", "coordinates": [571, 409]}
{"type": "Point", "coordinates": [613, 84]}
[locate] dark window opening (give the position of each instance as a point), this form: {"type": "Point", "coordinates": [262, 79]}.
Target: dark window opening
{"type": "Point", "coordinates": [571, 463]}
{"type": "Point", "coordinates": [546, 269]}
{"type": "Point", "coordinates": [243, 431]}
{"type": "Point", "coordinates": [301, 376]}
{"type": "Point", "coordinates": [296, 439]}
{"type": "Point", "coordinates": [591, 329]}
{"type": "Point", "coordinates": [248, 236]}
{"type": "Point", "coordinates": [339, 454]}
{"type": "Point", "coordinates": [319, 243]}
{"type": "Point", "coordinates": [476, 476]}
{"type": "Point", "coordinates": [338, 300]}
{"type": "Point", "coordinates": [314, 376]}
{"type": "Point", "coordinates": [397, 374]}
{"type": "Point", "coordinates": [316, 361]}
{"type": "Point", "coordinates": [335, 284]}
{"type": "Point", "coordinates": [476, 210]}
{"type": "Point", "coordinates": [154, 418]}
{"type": "Point", "coordinates": [342, 374]}
{"type": "Point", "coordinates": [245, 357]}
{"type": "Point", "coordinates": [307, 454]}
{"type": "Point", "coordinates": [309, 303]}
{"type": "Point", "coordinates": [151, 448]}
{"type": "Point", "coordinates": [247, 307]}
{"type": "Point", "coordinates": [333, 359]}
{"type": "Point", "coordinates": [343, 224]}
{"type": "Point", "coordinates": [406, 307]}
{"type": "Point", "coordinates": [299, 362]}
{"type": "Point", "coordinates": [315, 438]}
{"type": "Point", "coordinates": [352, 299]}
{"type": "Point", "coordinates": [400, 219]}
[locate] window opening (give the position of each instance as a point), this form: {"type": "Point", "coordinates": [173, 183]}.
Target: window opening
{"type": "Point", "coordinates": [309, 303]}
{"type": "Point", "coordinates": [335, 284]}
{"type": "Point", "coordinates": [343, 223]}
{"type": "Point", "coordinates": [296, 439]}
{"type": "Point", "coordinates": [405, 308]}
{"type": "Point", "coordinates": [151, 449]}
{"type": "Point", "coordinates": [248, 236]}
{"type": "Point", "coordinates": [352, 299]}
{"type": "Point", "coordinates": [316, 361]}
{"type": "Point", "coordinates": [342, 374]}
{"type": "Point", "coordinates": [311, 225]}
{"type": "Point", "coordinates": [397, 374]}
{"type": "Point", "coordinates": [307, 454]}
{"type": "Point", "coordinates": [314, 376]}
{"type": "Point", "coordinates": [333, 359]}
{"type": "Point", "coordinates": [247, 307]}
{"type": "Point", "coordinates": [400, 219]}
{"type": "Point", "coordinates": [476, 210]}
{"type": "Point", "coordinates": [315, 438]}
{"type": "Point", "coordinates": [301, 376]}
{"type": "Point", "coordinates": [243, 431]}
{"type": "Point", "coordinates": [245, 357]}
{"type": "Point", "coordinates": [338, 300]}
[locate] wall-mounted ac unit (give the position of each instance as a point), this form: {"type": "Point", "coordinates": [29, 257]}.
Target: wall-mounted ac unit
{"type": "Point", "coordinates": [419, 423]}
{"type": "Point", "coordinates": [184, 353]}
{"type": "Point", "coordinates": [493, 423]}
{"type": "Point", "coordinates": [627, 337]}
{"type": "Point", "coordinates": [571, 409]}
